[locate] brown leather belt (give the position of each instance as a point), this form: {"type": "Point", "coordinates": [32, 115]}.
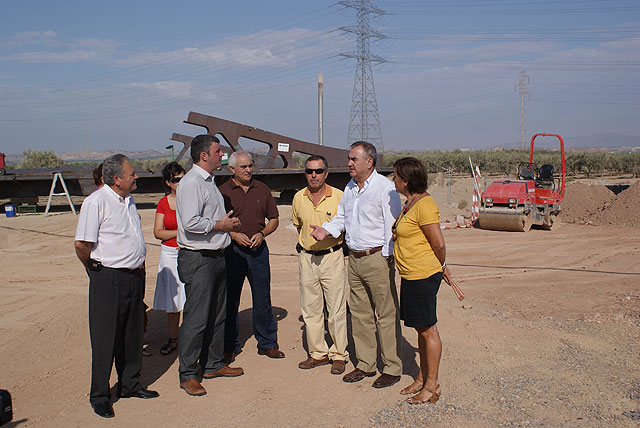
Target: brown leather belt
{"type": "Point", "coordinates": [357, 254]}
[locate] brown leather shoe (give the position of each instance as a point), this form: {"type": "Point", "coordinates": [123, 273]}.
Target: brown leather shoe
{"type": "Point", "coordinates": [193, 387]}
{"type": "Point", "coordinates": [385, 380]}
{"type": "Point", "coordinates": [225, 371]}
{"type": "Point", "coordinates": [357, 375]}
{"type": "Point", "coordinates": [311, 362]}
{"type": "Point", "coordinates": [338, 366]}
{"type": "Point", "coordinates": [271, 352]}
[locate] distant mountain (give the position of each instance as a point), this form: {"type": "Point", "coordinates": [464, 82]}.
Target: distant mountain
{"type": "Point", "coordinates": [100, 156]}
{"type": "Point", "coordinates": [611, 141]}
{"type": "Point", "coordinates": [80, 156]}
{"type": "Point", "coordinates": [593, 143]}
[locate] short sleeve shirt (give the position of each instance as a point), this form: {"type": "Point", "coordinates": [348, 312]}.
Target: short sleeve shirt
{"type": "Point", "coordinates": [251, 207]}
{"type": "Point", "coordinates": [112, 224]}
{"type": "Point", "coordinates": [304, 213]}
{"type": "Point", "coordinates": [414, 256]}
{"type": "Point", "coordinates": [170, 222]}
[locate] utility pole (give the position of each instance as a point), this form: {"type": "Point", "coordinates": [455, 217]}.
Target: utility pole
{"type": "Point", "coordinates": [521, 86]}
{"type": "Point", "coordinates": [364, 119]}
{"type": "Point", "coordinates": [320, 86]}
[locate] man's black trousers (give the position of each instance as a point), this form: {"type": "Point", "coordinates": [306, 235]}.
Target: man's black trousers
{"type": "Point", "coordinates": [116, 326]}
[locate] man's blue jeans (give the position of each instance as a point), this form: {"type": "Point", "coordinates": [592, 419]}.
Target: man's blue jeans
{"type": "Point", "coordinates": [253, 264]}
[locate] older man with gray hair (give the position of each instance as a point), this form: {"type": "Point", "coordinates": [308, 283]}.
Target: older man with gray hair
{"type": "Point", "coordinates": [110, 246]}
{"type": "Point", "coordinates": [248, 256]}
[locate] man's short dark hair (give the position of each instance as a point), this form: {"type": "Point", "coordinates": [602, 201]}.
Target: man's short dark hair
{"type": "Point", "coordinates": [112, 167]}
{"type": "Point", "coordinates": [200, 144]}
{"type": "Point", "coordinates": [414, 172]}
{"type": "Point", "coordinates": [317, 157]}
{"type": "Point", "coordinates": [369, 148]}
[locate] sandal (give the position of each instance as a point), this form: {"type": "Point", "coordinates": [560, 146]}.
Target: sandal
{"type": "Point", "coordinates": [146, 352]}
{"type": "Point", "coordinates": [435, 396]}
{"type": "Point", "coordinates": [408, 390]}
{"type": "Point", "coordinates": [169, 347]}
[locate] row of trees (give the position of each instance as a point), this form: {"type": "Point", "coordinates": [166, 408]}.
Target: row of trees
{"type": "Point", "coordinates": [40, 159]}
{"type": "Point", "coordinates": [498, 162]}
{"type": "Point", "coordinates": [505, 162]}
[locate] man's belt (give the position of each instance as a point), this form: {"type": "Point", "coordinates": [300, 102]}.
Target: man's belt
{"type": "Point", "coordinates": [361, 253]}
{"type": "Point", "coordinates": [320, 252]}
{"type": "Point", "coordinates": [207, 253]}
{"type": "Point", "coordinates": [97, 266]}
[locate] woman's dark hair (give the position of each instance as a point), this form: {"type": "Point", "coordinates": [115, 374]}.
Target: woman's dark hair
{"type": "Point", "coordinates": [170, 170]}
{"type": "Point", "coordinates": [97, 176]}
{"type": "Point", "coordinates": [414, 172]}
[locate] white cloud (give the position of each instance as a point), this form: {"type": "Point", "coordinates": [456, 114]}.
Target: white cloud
{"type": "Point", "coordinates": [173, 90]}
{"type": "Point", "coordinates": [269, 48]}
{"type": "Point", "coordinates": [49, 47]}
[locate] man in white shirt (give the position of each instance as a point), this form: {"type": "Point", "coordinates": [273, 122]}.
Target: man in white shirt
{"type": "Point", "coordinates": [203, 234]}
{"type": "Point", "coordinates": [110, 245]}
{"type": "Point", "coordinates": [366, 213]}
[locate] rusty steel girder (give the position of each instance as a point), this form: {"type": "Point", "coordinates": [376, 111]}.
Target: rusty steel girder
{"type": "Point", "coordinates": [280, 146]}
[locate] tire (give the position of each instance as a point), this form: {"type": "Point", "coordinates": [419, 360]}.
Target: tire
{"type": "Point", "coordinates": [548, 222]}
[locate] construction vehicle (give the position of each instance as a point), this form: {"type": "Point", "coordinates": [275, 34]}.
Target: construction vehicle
{"type": "Point", "coordinates": [533, 199]}
{"type": "Point", "coordinates": [3, 166]}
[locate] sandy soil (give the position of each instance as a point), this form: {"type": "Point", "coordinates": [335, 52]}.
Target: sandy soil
{"type": "Point", "coordinates": [549, 335]}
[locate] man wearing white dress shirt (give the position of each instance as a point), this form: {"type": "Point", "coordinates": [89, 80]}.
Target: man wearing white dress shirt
{"type": "Point", "coordinates": [110, 245]}
{"type": "Point", "coordinates": [203, 234]}
{"type": "Point", "coordinates": [366, 213]}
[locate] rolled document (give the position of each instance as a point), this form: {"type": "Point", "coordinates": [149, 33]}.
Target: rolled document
{"type": "Point", "coordinates": [455, 287]}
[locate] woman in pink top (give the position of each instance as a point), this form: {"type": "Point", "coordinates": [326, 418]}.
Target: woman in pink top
{"type": "Point", "coordinates": [169, 295]}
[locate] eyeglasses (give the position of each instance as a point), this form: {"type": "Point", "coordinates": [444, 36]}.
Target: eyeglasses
{"type": "Point", "coordinates": [310, 171]}
{"type": "Point", "coordinates": [175, 180]}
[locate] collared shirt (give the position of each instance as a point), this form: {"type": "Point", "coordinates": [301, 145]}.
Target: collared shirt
{"type": "Point", "coordinates": [367, 214]}
{"type": "Point", "coordinates": [199, 205]}
{"type": "Point", "coordinates": [251, 207]}
{"type": "Point", "coordinates": [304, 213]}
{"type": "Point", "coordinates": [112, 224]}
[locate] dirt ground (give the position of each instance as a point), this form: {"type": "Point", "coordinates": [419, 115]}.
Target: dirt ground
{"type": "Point", "coordinates": [549, 336]}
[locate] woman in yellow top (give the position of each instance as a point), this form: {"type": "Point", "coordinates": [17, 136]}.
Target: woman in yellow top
{"type": "Point", "coordinates": [419, 253]}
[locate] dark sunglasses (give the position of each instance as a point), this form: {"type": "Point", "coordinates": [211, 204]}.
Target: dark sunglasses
{"type": "Point", "coordinates": [310, 171]}
{"type": "Point", "coordinates": [175, 180]}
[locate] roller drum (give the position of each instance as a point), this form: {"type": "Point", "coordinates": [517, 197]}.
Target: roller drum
{"type": "Point", "coordinates": [501, 221]}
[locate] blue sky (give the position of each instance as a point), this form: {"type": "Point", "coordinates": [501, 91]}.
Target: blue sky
{"type": "Point", "coordinates": [77, 75]}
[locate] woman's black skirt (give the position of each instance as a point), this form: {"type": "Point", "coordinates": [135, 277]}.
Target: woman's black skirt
{"type": "Point", "coordinates": [418, 301]}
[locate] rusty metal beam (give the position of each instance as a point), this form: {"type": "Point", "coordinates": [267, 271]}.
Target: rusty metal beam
{"type": "Point", "coordinates": [280, 146]}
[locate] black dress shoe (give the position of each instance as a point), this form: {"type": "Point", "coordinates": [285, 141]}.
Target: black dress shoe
{"type": "Point", "coordinates": [103, 410]}
{"type": "Point", "coordinates": [141, 393]}
{"type": "Point", "coordinates": [385, 380]}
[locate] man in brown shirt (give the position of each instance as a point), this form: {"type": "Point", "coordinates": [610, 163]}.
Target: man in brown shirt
{"type": "Point", "coordinates": [248, 256]}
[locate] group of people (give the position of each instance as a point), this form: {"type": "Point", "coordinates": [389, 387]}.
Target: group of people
{"type": "Point", "coordinates": [214, 237]}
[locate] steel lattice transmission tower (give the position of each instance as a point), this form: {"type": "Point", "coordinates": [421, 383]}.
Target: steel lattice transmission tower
{"type": "Point", "coordinates": [521, 86]}
{"type": "Point", "coordinates": [364, 120]}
